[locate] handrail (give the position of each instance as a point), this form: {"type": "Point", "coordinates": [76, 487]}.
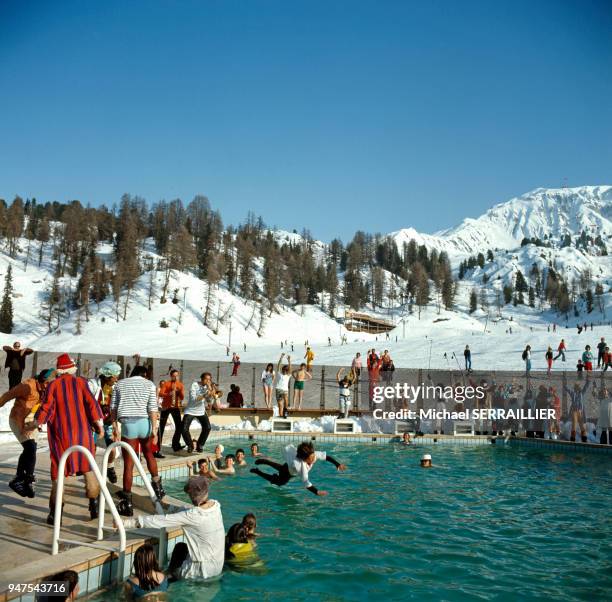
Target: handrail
{"type": "Point", "coordinates": [147, 484]}
{"type": "Point", "coordinates": [104, 495]}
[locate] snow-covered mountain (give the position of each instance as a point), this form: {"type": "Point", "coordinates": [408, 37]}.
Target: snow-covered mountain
{"type": "Point", "coordinates": [537, 214]}
{"type": "Point", "coordinates": [542, 214]}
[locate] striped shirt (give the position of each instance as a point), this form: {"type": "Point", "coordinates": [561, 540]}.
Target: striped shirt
{"type": "Point", "coordinates": [134, 397]}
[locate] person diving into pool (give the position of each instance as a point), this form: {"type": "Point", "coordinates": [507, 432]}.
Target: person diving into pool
{"type": "Point", "coordinates": [299, 462]}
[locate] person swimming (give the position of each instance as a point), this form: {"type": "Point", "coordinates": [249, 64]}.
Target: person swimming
{"type": "Point", "coordinates": [426, 461]}
{"type": "Point", "coordinates": [147, 578]}
{"type": "Point", "coordinates": [299, 462]}
{"type": "Point", "coordinates": [203, 469]}
{"type": "Point", "coordinates": [229, 466]}
{"type": "Point", "coordinates": [249, 521]}
{"type": "Point", "coordinates": [219, 460]}
{"type": "Point", "coordinates": [255, 450]}
{"type": "Point", "coordinates": [240, 550]}
{"type": "Point", "coordinates": [240, 455]}
{"type": "Point", "coordinates": [406, 440]}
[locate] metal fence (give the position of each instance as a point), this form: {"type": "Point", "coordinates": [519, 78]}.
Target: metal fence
{"type": "Point", "coordinates": [321, 393]}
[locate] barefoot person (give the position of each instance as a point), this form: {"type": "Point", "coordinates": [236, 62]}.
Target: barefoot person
{"type": "Point", "coordinates": [134, 407]}
{"type": "Point", "coordinates": [101, 388]}
{"type": "Point", "coordinates": [298, 463]}
{"type": "Point", "coordinates": [71, 413]}
{"type": "Point", "coordinates": [267, 381]}
{"type": "Point", "coordinates": [202, 554]}
{"type": "Point", "coordinates": [283, 376]}
{"type": "Point", "coordinates": [300, 377]}
{"type": "Point", "coordinates": [27, 397]}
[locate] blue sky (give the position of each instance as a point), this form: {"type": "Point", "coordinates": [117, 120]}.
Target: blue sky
{"type": "Point", "coordinates": [334, 116]}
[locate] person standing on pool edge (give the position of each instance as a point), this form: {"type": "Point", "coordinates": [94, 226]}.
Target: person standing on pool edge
{"type": "Point", "coordinates": [172, 394]}
{"type": "Point", "coordinates": [70, 412]}
{"type": "Point", "coordinates": [134, 406]}
{"type": "Point", "coordinates": [27, 396]}
{"type": "Point", "coordinates": [300, 377]}
{"type": "Point", "coordinates": [15, 362]}
{"type": "Point", "coordinates": [283, 376]}
{"type": "Point", "coordinates": [298, 462]}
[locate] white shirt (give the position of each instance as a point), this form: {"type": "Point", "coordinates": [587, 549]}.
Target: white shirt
{"type": "Point", "coordinates": [204, 535]}
{"type": "Point", "coordinates": [195, 406]}
{"type": "Point", "coordinates": [282, 381]}
{"type": "Point", "coordinates": [299, 468]}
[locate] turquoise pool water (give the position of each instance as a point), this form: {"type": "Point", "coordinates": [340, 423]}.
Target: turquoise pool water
{"type": "Point", "coordinates": [486, 523]}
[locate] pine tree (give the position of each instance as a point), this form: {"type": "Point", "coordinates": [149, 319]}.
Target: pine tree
{"type": "Point", "coordinates": [43, 236]}
{"type": "Point", "coordinates": [521, 284]}
{"type": "Point", "coordinates": [473, 301]}
{"type": "Point", "coordinates": [482, 299]}
{"type": "Point", "coordinates": [531, 296]}
{"type": "Point", "coordinates": [331, 285]}
{"type": "Point", "coordinates": [421, 286]}
{"type": "Point", "coordinates": [6, 307]}
{"type": "Point", "coordinates": [507, 291]}
{"type": "Point", "coordinates": [589, 300]}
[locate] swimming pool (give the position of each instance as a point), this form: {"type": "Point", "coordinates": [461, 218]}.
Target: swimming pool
{"type": "Point", "coordinates": [487, 522]}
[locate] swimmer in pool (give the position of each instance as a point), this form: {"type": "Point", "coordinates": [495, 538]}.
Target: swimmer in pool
{"type": "Point", "coordinates": [219, 460]}
{"type": "Point", "coordinates": [240, 455]}
{"type": "Point", "coordinates": [255, 450]}
{"type": "Point", "coordinates": [298, 463]}
{"type": "Point", "coordinates": [426, 461]}
{"type": "Point", "coordinates": [249, 522]}
{"type": "Point", "coordinates": [229, 466]}
{"type": "Point", "coordinates": [203, 469]}
{"type": "Point", "coordinates": [406, 438]}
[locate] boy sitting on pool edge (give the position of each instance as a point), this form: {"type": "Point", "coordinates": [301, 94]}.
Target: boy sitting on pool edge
{"type": "Point", "coordinates": [299, 462]}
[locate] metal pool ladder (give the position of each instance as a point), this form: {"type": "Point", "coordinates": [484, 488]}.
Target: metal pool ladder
{"type": "Point", "coordinates": [105, 497]}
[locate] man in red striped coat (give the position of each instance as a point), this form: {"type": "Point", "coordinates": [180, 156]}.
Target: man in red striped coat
{"type": "Point", "coordinates": [70, 412]}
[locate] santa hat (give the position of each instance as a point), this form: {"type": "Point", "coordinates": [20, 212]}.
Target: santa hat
{"type": "Point", "coordinates": [65, 364]}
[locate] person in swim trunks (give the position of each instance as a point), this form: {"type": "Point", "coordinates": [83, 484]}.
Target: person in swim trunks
{"type": "Point", "coordinates": [300, 376]}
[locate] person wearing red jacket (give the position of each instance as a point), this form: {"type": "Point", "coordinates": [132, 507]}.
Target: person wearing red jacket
{"type": "Point", "coordinates": [561, 349]}
{"type": "Point", "coordinates": [607, 359]}
{"type": "Point", "coordinates": [171, 394]}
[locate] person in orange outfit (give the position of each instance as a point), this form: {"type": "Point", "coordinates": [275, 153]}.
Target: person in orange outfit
{"type": "Point", "coordinates": [27, 397]}
{"type": "Point", "coordinates": [171, 394]}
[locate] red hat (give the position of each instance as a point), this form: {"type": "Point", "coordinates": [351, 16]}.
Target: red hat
{"type": "Point", "coordinates": [64, 362]}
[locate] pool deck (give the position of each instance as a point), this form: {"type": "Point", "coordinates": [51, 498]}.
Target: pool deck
{"type": "Point", "coordinates": [26, 539]}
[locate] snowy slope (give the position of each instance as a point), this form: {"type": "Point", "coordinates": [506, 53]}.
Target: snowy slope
{"type": "Point", "coordinates": [539, 213]}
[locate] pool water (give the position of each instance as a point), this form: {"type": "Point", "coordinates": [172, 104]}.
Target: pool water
{"type": "Point", "coordinates": [489, 523]}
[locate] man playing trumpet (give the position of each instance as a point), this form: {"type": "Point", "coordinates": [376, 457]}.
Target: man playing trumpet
{"type": "Point", "coordinates": [203, 395]}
